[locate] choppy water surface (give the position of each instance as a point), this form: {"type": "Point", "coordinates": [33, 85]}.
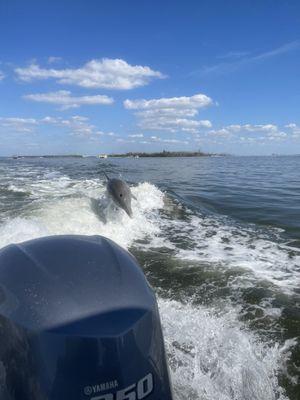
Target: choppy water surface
{"type": "Point", "coordinates": [219, 240]}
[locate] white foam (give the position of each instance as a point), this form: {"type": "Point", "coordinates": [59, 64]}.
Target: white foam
{"type": "Point", "coordinates": [213, 357]}
{"type": "Point", "coordinates": [74, 215]}
{"type": "Point", "coordinates": [63, 206]}
{"type": "Point", "coordinates": [212, 240]}
{"type": "Point", "coordinates": [16, 189]}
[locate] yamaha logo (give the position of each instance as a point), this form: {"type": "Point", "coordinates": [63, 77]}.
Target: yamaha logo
{"type": "Point", "coordinates": [136, 391]}
{"type": "Point", "coordinates": [88, 390]}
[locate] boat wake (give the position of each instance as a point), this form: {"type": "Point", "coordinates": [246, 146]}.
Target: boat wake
{"type": "Point", "coordinates": [212, 353]}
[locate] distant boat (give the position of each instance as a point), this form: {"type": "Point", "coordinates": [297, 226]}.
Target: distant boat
{"type": "Point", "coordinates": [102, 156]}
{"type": "Point", "coordinates": [136, 156]}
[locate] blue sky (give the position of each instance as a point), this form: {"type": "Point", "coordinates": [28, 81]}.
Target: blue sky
{"type": "Point", "coordinates": [93, 76]}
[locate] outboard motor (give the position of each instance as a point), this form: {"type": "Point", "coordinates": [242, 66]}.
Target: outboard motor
{"type": "Point", "coordinates": [78, 321]}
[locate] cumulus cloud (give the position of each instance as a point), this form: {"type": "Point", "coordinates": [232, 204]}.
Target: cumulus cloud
{"type": "Point", "coordinates": [168, 141]}
{"type": "Point", "coordinates": [230, 130]}
{"type": "Point", "coordinates": [122, 140]}
{"type": "Point", "coordinates": [167, 112]}
{"type": "Point", "coordinates": [110, 134]}
{"type": "Point", "coordinates": [222, 132]}
{"type": "Point", "coordinates": [294, 129]}
{"type": "Point", "coordinates": [253, 132]}
{"type": "Point", "coordinates": [76, 125]}
{"type": "Point", "coordinates": [104, 73]}
{"type": "Point", "coordinates": [184, 102]}
{"type": "Point", "coordinates": [65, 99]}
{"type": "Point", "coordinates": [174, 124]}
{"type": "Point", "coordinates": [254, 128]}
{"type": "Point", "coordinates": [172, 114]}
{"type": "Point", "coordinates": [151, 140]}
{"type": "Point", "coordinates": [18, 124]}
{"type": "Point", "coordinates": [236, 128]}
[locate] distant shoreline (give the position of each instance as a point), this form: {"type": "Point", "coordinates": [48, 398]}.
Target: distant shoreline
{"type": "Point", "coordinates": [162, 154]}
{"type": "Point", "coordinates": [149, 155]}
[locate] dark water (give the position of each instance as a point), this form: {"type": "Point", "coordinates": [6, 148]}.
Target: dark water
{"type": "Point", "coordinates": [219, 240]}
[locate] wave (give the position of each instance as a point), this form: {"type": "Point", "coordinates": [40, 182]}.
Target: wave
{"type": "Point", "coordinates": [212, 356]}
{"type": "Point", "coordinates": [65, 206]}
{"type": "Point", "coordinates": [79, 215]}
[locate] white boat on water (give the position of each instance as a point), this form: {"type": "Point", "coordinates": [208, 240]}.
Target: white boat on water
{"type": "Point", "coordinates": [102, 156]}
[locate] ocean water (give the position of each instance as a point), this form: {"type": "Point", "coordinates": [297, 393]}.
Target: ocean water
{"type": "Point", "coordinates": [218, 239]}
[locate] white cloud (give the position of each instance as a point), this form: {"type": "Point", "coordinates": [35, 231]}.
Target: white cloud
{"type": "Point", "coordinates": [2, 76]}
{"type": "Point", "coordinates": [122, 140]}
{"type": "Point", "coordinates": [12, 120]}
{"type": "Point", "coordinates": [136, 135]}
{"type": "Point", "coordinates": [172, 114]}
{"type": "Point", "coordinates": [255, 133]}
{"type": "Point", "coordinates": [252, 128]}
{"type": "Point", "coordinates": [235, 128]}
{"type": "Point", "coordinates": [167, 112]}
{"type": "Point", "coordinates": [184, 102]}
{"type": "Point", "coordinates": [277, 135]}
{"type": "Point", "coordinates": [291, 125]}
{"type": "Point", "coordinates": [105, 73]}
{"type": "Point", "coordinates": [223, 132]}
{"type": "Point", "coordinates": [294, 129]}
{"type": "Point", "coordinates": [260, 128]}
{"type": "Point", "coordinates": [66, 100]}
{"type": "Point", "coordinates": [53, 60]}
{"type": "Point", "coordinates": [168, 141]}
{"type": "Point", "coordinates": [76, 125]}
{"type": "Point", "coordinates": [17, 124]}
{"type": "Point", "coordinates": [174, 124]}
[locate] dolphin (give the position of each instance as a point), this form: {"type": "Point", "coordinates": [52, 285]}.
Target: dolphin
{"type": "Point", "coordinates": [120, 193]}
